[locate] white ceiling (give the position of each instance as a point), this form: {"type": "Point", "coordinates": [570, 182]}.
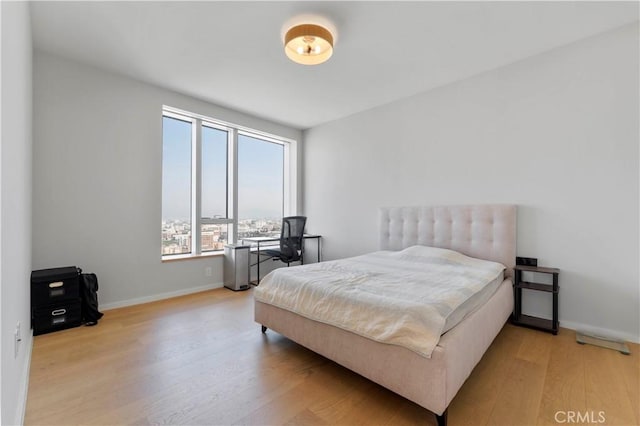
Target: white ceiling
{"type": "Point", "coordinates": [231, 54]}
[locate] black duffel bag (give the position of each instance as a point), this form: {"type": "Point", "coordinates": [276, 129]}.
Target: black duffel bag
{"type": "Point", "coordinates": [89, 294]}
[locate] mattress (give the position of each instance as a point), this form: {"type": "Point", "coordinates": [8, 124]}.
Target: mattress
{"type": "Point", "coordinates": [472, 303]}
{"type": "Point", "coordinates": [402, 298]}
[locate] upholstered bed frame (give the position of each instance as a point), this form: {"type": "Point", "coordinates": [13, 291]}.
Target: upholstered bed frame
{"type": "Point", "coordinates": [482, 231]}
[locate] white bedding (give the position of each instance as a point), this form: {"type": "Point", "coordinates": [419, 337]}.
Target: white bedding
{"type": "Point", "coordinates": [402, 298]}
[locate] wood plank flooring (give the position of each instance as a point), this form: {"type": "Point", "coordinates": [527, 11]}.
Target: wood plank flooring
{"type": "Point", "coordinates": [201, 360]}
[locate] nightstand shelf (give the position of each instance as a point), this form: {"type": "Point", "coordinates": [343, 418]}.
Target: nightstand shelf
{"type": "Point", "coordinates": [536, 286]}
{"type": "Point", "coordinates": [518, 318]}
{"type": "Point", "coordinates": [535, 322]}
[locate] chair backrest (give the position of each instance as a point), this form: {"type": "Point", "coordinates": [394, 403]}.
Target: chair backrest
{"type": "Point", "coordinates": [291, 246]}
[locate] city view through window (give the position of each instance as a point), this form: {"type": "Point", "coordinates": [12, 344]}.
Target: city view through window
{"type": "Point", "coordinates": [260, 189]}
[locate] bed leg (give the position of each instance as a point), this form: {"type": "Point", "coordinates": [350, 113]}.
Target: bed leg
{"type": "Point", "coordinates": [264, 329]}
{"type": "Point", "coordinates": [442, 420]}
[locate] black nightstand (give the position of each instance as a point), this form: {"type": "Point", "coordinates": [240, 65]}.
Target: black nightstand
{"type": "Point", "coordinates": [518, 318]}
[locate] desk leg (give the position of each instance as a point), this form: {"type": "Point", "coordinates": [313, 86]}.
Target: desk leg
{"type": "Point", "coordinates": [258, 265]}
{"type": "Point", "coordinates": [318, 250]}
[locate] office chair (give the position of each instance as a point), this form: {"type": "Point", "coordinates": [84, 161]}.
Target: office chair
{"type": "Point", "coordinates": [291, 243]}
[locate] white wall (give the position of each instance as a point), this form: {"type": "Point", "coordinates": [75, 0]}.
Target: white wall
{"type": "Point", "coordinates": [97, 179]}
{"type": "Point", "coordinates": [15, 210]}
{"type": "Point", "coordinates": [556, 134]}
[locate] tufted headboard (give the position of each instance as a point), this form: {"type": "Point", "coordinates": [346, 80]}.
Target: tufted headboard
{"type": "Point", "coordinates": [482, 231]}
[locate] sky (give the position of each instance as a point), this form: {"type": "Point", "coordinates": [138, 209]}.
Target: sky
{"type": "Point", "coordinates": [260, 174]}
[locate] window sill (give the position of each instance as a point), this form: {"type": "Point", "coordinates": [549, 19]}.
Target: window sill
{"type": "Point", "coordinates": [181, 257]}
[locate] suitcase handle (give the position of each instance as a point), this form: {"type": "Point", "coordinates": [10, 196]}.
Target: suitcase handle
{"type": "Point", "coordinates": [56, 284]}
{"type": "Point", "coordinates": [59, 312]}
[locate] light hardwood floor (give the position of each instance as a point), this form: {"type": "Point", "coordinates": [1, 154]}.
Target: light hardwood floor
{"type": "Point", "coordinates": [200, 359]}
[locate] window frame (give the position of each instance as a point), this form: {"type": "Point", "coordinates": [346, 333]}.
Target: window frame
{"type": "Point", "coordinates": [290, 165]}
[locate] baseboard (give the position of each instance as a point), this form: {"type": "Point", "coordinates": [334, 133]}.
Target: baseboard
{"type": "Point", "coordinates": [598, 331]}
{"type": "Point", "coordinates": [156, 297]}
{"type": "Point", "coordinates": [21, 409]}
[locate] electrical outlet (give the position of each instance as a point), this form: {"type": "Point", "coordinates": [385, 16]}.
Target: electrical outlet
{"type": "Point", "coordinates": [207, 271]}
{"type": "Point", "coordinates": [18, 339]}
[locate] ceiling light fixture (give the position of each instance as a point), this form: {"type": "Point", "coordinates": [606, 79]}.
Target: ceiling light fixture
{"type": "Point", "coordinates": [308, 44]}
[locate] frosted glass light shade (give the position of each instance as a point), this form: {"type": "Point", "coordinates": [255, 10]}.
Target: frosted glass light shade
{"type": "Point", "coordinates": [308, 44]}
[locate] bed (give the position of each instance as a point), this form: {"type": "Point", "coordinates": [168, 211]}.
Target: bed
{"type": "Point", "coordinates": [480, 231]}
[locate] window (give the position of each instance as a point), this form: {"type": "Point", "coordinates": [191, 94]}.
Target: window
{"type": "Point", "coordinates": [214, 226]}
{"type": "Point", "coordinates": [176, 186]}
{"type": "Point", "coordinates": [260, 187]}
{"type": "Point", "coordinates": [220, 183]}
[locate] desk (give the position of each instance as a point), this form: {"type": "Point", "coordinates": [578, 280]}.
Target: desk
{"type": "Point", "coordinates": [258, 242]}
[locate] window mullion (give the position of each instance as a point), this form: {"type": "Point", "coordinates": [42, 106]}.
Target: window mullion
{"type": "Point", "coordinates": [287, 208]}
{"type": "Point", "coordinates": [232, 187]}
{"type": "Point", "coordinates": [196, 184]}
